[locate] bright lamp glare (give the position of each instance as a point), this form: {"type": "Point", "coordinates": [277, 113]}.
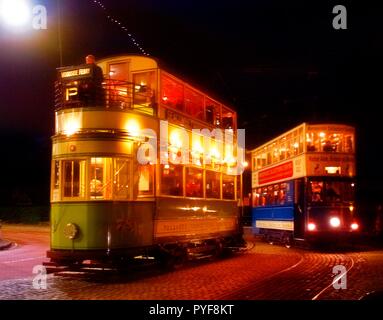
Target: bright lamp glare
{"type": "Point", "coordinates": [335, 222]}
{"type": "Point", "coordinates": [15, 13]}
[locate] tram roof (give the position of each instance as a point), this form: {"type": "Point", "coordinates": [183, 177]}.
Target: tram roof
{"type": "Point", "coordinates": [302, 125]}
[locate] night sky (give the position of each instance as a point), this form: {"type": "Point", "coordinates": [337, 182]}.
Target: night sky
{"type": "Point", "coordinates": [278, 63]}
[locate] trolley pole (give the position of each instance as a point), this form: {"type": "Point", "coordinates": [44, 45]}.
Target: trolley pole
{"type": "Point", "coordinates": [59, 31]}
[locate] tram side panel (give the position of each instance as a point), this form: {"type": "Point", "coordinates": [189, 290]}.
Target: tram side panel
{"type": "Point", "coordinates": [193, 219]}
{"type": "Point", "coordinates": [101, 225]}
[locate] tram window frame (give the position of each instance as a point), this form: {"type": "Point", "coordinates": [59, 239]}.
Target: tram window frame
{"type": "Point", "coordinates": [150, 191]}
{"type": "Point", "coordinates": [191, 174]}
{"type": "Point", "coordinates": [178, 188]}
{"type": "Point", "coordinates": [122, 177]}
{"type": "Point", "coordinates": [172, 92]}
{"type": "Point", "coordinates": [56, 180]}
{"type": "Point", "coordinates": [194, 103]}
{"type": "Point", "coordinates": [215, 112]}
{"type": "Point", "coordinates": [80, 191]}
{"type": "Point", "coordinates": [212, 176]}
{"type": "Point", "coordinates": [228, 195]}
{"type": "Point", "coordinates": [105, 180]}
{"type": "Point", "coordinates": [144, 91]}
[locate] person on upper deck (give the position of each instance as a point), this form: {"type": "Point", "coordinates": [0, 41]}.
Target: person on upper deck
{"type": "Point", "coordinates": [91, 90]}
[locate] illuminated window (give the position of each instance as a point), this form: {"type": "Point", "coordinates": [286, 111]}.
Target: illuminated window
{"type": "Point", "coordinates": [55, 180]}
{"type": "Point", "coordinates": [121, 180]}
{"type": "Point", "coordinates": [227, 119]}
{"type": "Point", "coordinates": [212, 112]}
{"type": "Point", "coordinates": [172, 92]}
{"type": "Point", "coordinates": [194, 104]}
{"type": "Point", "coordinates": [145, 180]}
{"type": "Point", "coordinates": [171, 180]}
{"type": "Point", "coordinates": [228, 187]}
{"type": "Point", "coordinates": [100, 183]}
{"type": "Point", "coordinates": [144, 85]}
{"type": "Point", "coordinates": [194, 183]}
{"type": "Point", "coordinates": [74, 178]}
{"type": "Point", "coordinates": [56, 175]}
{"type": "Point", "coordinates": [213, 183]}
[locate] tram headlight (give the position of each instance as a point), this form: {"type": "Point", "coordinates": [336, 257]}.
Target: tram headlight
{"type": "Point", "coordinates": [354, 226]}
{"type": "Point", "coordinates": [335, 222]}
{"type": "Point", "coordinates": [71, 231]}
{"type": "Point", "coordinates": [311, 226]}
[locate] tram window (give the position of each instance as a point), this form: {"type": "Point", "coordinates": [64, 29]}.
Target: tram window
{"type": "Point", "coordinates": [227, 119]}
{"type": "Point", "coordinates": [275, 197]}
{"type": "Point", "coordinates": [194, 183]}
{"type": "Point", "coordinates": [172, 92]}
{"type": "Point", "coordinates": [121, 181]}
{"type": "Point", "coordinates": [282, 150]}
{"type": "Point", "coordinates": [74, 178]}
{"type": "Point", "coordinates": [56, 174]}
{"type": "Point", "coordinates": [348, 143]}
{"type": "Point", "coordinates": [145, 180]}
{"type": "Point", "coordinates": [316, 191]}
{"type": "Point", "coordinates": [143, 88]}
{"type": "Point", "coordinates": [194, 105]}
{"type": "Point", "coordinates": [212, 112]}
{"type": "Point", "coordinates": [213, 183]}
{"type": "Point", "coordinates": [228, 187]}
{"type": "Point", "coordinates": [55, 180]}
{"type": "Point", "coordinates": [100, 183]}
{"type": "Point", "coordinates": [171, 180]}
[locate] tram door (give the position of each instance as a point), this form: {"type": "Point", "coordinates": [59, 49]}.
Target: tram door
{"type": "Point", "coordinates": [299, 216]}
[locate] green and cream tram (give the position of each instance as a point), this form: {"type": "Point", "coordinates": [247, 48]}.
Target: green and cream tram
{"type": "Point", "coordinates": [119, 187]}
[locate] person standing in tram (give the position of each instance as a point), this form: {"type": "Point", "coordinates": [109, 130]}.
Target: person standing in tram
{"type": "Point", "coordinates": [91, 90]}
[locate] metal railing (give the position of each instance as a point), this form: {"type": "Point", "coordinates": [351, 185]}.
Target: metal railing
{"type": "Point", "coordinates": [112, 94]}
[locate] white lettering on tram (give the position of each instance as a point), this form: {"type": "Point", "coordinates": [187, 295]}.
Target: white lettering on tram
{"type": "Point", "coordinates": [208, 146]}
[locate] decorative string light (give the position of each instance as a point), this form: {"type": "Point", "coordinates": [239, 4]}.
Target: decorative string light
{"type": "Point", "coordinates": [121, 26]}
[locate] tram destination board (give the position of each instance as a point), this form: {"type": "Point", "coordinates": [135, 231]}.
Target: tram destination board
{"type": "Point", "coordinates": [75, 72]}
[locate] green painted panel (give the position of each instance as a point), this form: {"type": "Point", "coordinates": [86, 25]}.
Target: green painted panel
{"type": "Point", "coordinates": [102, 225]}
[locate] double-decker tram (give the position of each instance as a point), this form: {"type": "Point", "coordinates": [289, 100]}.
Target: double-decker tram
{"type": "Point", "coordinates": [303, 184]}
{"type": "Point", "coordinates": [143, 165]}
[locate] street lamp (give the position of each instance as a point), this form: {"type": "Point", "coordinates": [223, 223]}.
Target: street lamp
{"type": "Point", "coordinates": [15, 13]}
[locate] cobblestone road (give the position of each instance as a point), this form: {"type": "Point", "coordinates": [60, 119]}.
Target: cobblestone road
{"type": "Point", "coordinates": [263, 272]}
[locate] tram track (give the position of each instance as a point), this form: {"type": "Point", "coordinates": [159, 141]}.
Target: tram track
{"type": "Point", "coordinates": [335, 280]}
{"type": "Point", "coordinates": [300, 281]}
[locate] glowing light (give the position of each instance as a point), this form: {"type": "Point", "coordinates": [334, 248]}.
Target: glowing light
{"type": "Point", "coordinates": [311, 226]}
{"type": "Point", "coordinates": [133, 128]}
{"type": "Point", "coordinates": [165, 98]}
{"type": "Point", "coordinates": [175, 139]}
{"type": "Point", "coordinates": [245, 164]}
{"type": "Point", "coordinates": [354, 226]}
{"type": "Point", "coordinates": [214, 153]}
{"type": "Point", "coordinates": [197, 147]}
{"type": "Point", "coordinates": [15, 13]}
{"type": "Point", "coordinates": [322, 134]}
{"type": "Point", "coordinates": [332, 170]}
{"type": "Point", "coordinates": [351, 208]}
{"type": "Point", "coordinates": [71, 126]}
{"type": "Point", "coordinates": [335, 222]}
{"type": "Point", "coordinates": [167, 166]}
{"type": "Point", "coordinates": [296, 145]}
{"type": "Point", "coordinates": [352, 184]}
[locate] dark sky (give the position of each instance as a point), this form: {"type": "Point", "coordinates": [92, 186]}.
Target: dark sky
{"type": "Point", "coordinates": [278, 63]}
